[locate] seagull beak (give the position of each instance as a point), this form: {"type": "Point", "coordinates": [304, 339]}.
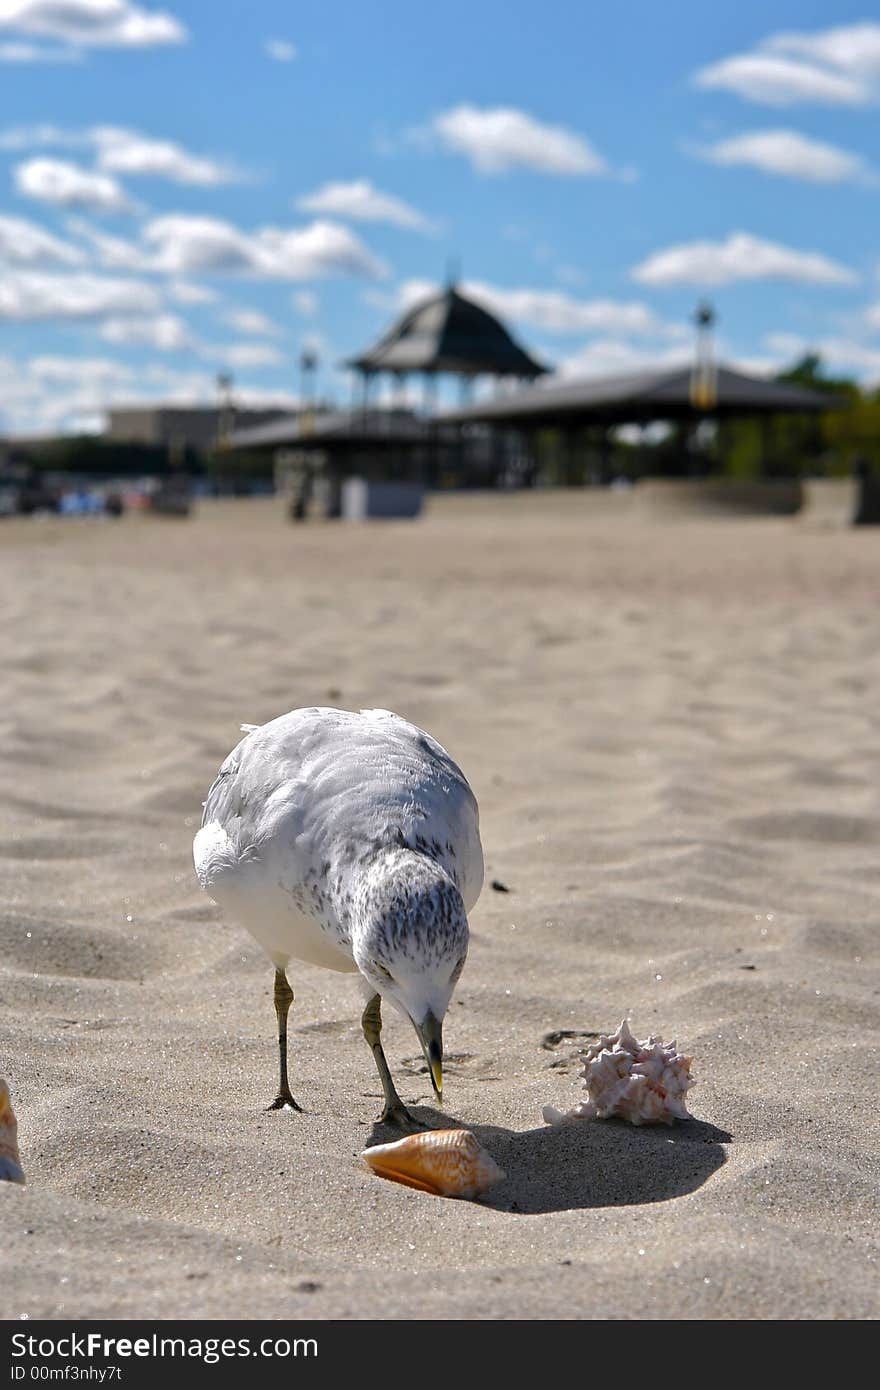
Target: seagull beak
{"type": "Point", "coordinates": [430, 1035]}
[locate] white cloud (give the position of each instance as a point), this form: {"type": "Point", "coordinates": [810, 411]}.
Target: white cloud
{"type": "Point", "coordinates": [497, 139]}
{"type": "Point", "coordinates": [120, 150]}
{"type": "Point", "coordinates": [555, 312]}
{"type": "Point", "coordinates": [164, 332]}
{"type": "Point", "coordinates": [363, 203]}
{"type": "Point", "coordinates": [27, 137]}
{"type": "Point", "coordinates": [123, 151]}
{"type": "Point", "coordinates": [305, 302]}
{"type": "Point", "coordinates": [740, 257]}
{"type": "Point", "coordinates": [48, 395]}
{"type": "Point", "coordinates": [252, 321]}
{"type": "Point", "coordinates": [249, 355]}
{"type": "Point", "coordinates": [850, 47]}
{"type": "Point", "coordinates": [30, 296]}
{"type": "Point", "coordinates": [789, 153]}
{"type": "Point", "coordinates": [94, 423]}
{"type": "Point", "coordinates": [616, 356]}
{"type": "Point", "coordinates": [550, 310]}
{"type": "Point", "coordinates": [187, 292]}
{"type": "Point", "coordinates": [68, 185]}
{"type": "Point", "coordinates": [113, 252]}
{"type": "Point", "coordinates": [755, 363]}
{"type": "Point", "coordinates": [184, 244]}
{"type": "Point", "coordinates": [281, 50]}
{"type": "Point", "coordinates": [36, 53]}
{"type": "Point", "coordinates": [24, 243]}
{"type": "Point", "coordinates": [835, 67]}
{"type": "Point", "coordinates": [838, 354]}
{"type": "Point", "coordinates": [776, 80]}
{"type": "Point", "coordinates": [91, 23]}
{"type": "Point", "coordinates": [788, 344]}
{"type": "Point", "coordinates": [79, 369]}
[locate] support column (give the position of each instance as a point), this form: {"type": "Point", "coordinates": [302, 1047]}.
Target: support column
{"type": "Point", "coordinates": [571, 465]}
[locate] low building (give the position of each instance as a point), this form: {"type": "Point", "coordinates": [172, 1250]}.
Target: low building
{"type": "Point", "coordinates": [201, 428]}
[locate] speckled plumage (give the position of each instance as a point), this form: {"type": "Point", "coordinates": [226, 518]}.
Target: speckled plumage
{"type": "Point", "coordinates": [349, 840]}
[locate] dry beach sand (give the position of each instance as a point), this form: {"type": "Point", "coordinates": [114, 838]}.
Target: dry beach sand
{"type": "Point", "coordinates": [673, 730]}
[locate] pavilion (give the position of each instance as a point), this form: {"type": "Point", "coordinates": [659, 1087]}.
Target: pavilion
{"type": "Point", "coordinates": [502, 439]}
{"type": "Point", "coordinates": [685, 396]}
{"type": "Point", "coordinates": [443, 335]}
{"type": "Point", "coordinates": [446, 334]}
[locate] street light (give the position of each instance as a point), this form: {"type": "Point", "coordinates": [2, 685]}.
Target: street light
{"type": "Point", "coordinates": [226, 417]}
{"type": "Point", "coordinates": [704, 377]}
{"type": "Point", "coordinates": [308, 367]}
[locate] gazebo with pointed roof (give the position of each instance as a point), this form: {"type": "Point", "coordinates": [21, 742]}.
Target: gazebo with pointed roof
{"type": "Point", "coordinates": [448, 333]}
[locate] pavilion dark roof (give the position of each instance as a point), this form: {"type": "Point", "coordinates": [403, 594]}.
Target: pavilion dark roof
{"type": "Point", "coordinates": [448, 333]}
{"type": "Point", "coordinates": [650, 395]}
{"type": "Point", "coordinates": [375, 427]}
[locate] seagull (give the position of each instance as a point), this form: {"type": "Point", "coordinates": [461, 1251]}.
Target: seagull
{"type": "Point", "coordinates": [351, 841]}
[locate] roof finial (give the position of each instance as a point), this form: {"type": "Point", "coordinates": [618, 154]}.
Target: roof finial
{"type": "Point", "coordinates": [453, 272]}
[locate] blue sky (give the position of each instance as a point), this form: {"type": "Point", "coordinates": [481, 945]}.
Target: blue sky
{"type": "Point", "coordinates": [212, 186]}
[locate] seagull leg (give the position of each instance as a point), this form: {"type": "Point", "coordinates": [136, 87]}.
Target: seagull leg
{"type": "Point", "coordinates": [283, 1001]}
{"type": "Point", "coordinates": [394, 1112]}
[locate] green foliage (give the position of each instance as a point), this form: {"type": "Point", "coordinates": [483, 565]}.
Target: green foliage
{"type": "Point", "coordinates": [855, 433]}
{"type": "Point", "coordinates": [808, 373]}
{"type": "Point", "coordinates": [794, 446]}
{"type": "Point", "coordinates": [740, 448]}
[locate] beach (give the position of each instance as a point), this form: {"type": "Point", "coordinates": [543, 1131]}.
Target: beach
{"type": "Point", "coordinates": [672, 729]}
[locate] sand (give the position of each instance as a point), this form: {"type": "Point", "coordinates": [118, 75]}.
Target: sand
{"type": "Point", "coordinates": [673, 731]}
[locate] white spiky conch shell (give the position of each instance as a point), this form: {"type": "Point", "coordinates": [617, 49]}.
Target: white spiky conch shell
{"type": "Point", "coordinates": [445, 1162]}
{"type": "Point", "coordinates": [642, 1082]}
{"type": "Point", "coordinates": [10, 1161]}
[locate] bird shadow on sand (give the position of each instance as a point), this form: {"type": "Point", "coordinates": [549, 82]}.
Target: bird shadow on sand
{"type": "Point", "coordinates": [601, 1163]}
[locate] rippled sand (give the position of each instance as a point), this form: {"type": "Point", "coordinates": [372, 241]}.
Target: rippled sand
{"type": "Point", "coordinates": [673, 730]}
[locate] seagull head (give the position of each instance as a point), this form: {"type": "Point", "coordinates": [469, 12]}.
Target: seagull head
{"type": "Point", "coordinates": [410, 943]}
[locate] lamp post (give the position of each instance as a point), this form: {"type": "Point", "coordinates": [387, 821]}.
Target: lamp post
{"type": "Point", "coordinates": [303, 475]}
{"type": "Point", "coordinates": [226, 418]}
{"type": "Point", "coordinates": [704, 378]}
{"type": "Point", "coordinates": [308, 367]}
